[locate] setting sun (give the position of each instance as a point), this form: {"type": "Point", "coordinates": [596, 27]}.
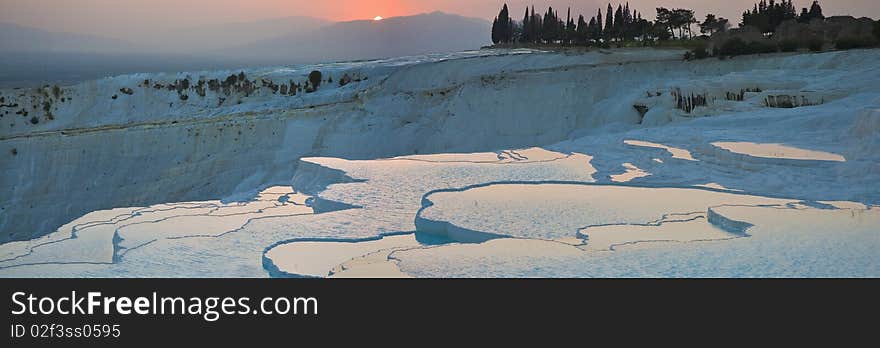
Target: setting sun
{"type": "Point", "coordinates": [378, 18]}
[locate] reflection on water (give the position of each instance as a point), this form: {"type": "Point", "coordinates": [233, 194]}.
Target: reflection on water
{"type": "Point", "coordinates": [632, 172]}
{"type": "Point", "coordinates": [796, 241]}
{"type": "Point", "coordinates": [321, 258]}
{"type": "Point", "coordinates": [105, 237]}
{"type": "Point", "coordinates": [778, 151]}
{"type": "Point", "coordinates": [672, 228]}
{"type": "Point", "coordinates": [554, 211]}
{"type": "Point", "coordinates": [529, 155]}
{"type": "Point", "coordinates": [717, 186]}
{"type": "Point", "coordinates": [676, 152]}
{"type": "Point", "coordinates": [795, 236]}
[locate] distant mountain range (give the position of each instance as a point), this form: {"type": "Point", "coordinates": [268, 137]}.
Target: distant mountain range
{"type": "Point", "coordinates": [16, 38]}
{"type": "Point", "coordinates": [31, 55]}
{"type": "Point", "coordinates": [224, 36]}
{"type": "Point", "coordinates": [292, 38]}
{"type": "Point", "coordinates": [366, 39]}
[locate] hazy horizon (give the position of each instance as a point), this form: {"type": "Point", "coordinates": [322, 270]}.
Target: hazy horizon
{"type": "Point", "coordinates": [88, 39]}
{"type": "Point", "coordinates": [139, 20]}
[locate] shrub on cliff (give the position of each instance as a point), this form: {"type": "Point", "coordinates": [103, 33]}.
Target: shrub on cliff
{"type": "Point", "coordinates": [761, 47]}
{"type": "Point", "coordinates": [736, 46]}
{"type": "Point", "coordinates": [697, 53]}
{"type": "Point", "coordinates": [815, 45]}
{"type": "Point", "coordinates": [788, 45]}
{"type": "Point", "coordinates": [850, 43]}
{"type": "Point", "coordinates": [877, 30]}
{"type": "Point", "coordinates": [733, 47]}
{"type": "Point", "coordinates": [315, 78]}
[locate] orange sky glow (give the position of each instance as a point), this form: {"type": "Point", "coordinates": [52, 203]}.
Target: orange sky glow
{"type": "Point", "coordinates": [133, 17]}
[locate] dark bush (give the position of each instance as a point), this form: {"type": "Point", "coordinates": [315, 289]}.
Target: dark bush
{"type": "Point", "coordinates": [789, 45]}
{"type": "Point", "coordinates": [733, 47]}
{"type": "Point", "coordinates": [851, 43]}
{"type": "Point", "coordinates": [697, 53]}
{"type": "Point", "coordinates": [761, 47]}
{"type": "Point", "coordinates": [877, 30]}
{"type": "Point", "coordinates": [231, 80]}
{"type": "Point", "coordinates": [815, 45]}
{"type": "Point", "coordinates": [200, 88]}
{"type": "Point", "coordinates": [736, 46]}
{"type": "Point", "coordinates": [344, 80]}
{"type": "Point", "coordinates": [315, 78]}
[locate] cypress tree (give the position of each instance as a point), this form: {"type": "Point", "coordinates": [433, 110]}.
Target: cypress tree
{"type": "Point", "coordinates": [570, 29]}
{"type": "Point", "coordinates": [552, 28]}
{"type": "Point", "coordinates": [618, 22]}
{"type": "Point", "coordinates": [816, 11]}
{"type": "Point", "coordinates": [560, 27]}
{"type": "Point", "coordinates": [495, 35]}
{"type": "Point", "coordinates": [537, 27]}
{"type": "Point", "coordinates": [627, 22]}
{"type": "Point", "coordinates": [567, 36]}
{"type": "Point", "coordinates": [804, 17]}
{"type": "Point", "coordinates": [509, 29]}
{"type": "Point", "coordinates": [505, 30]}
{"type": "Point", "coordinates": [502, 27]}
{"type": "Point", "coordinates": [609, 23]}
{"type": "Point", "coordinates": [594, 30]}
{"type": "Point", "coordinates": [583, 30]}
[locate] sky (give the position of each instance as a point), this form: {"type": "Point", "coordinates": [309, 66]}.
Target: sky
{"type": "Point", "coordinates": [128, 19]}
